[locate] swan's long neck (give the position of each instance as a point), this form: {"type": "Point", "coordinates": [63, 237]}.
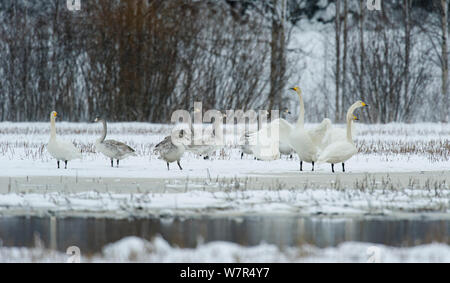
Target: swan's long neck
{"type": "Point", "coordinates": [301, 115]}
{"type": "Point", "coordinates": [349, 130]}
{"type": "Point", "coordinates": [52, 128]}
{"type": "Point", "coordinates": [105, 129]}
{"type": "Point", "coordinates": [350, 121]}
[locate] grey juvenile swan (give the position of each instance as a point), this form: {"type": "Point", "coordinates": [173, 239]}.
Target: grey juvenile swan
{"type": "Point", "coordinates": [170, 150]}
{"type": "Point", "coordinates": [111, 148]}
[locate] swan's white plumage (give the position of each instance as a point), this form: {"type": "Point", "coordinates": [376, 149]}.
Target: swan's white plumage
{"type": "Point", "coordinates": [341, 148]}
{"type": "Point", "coordinates": [63, 150]}
{"type": "Point", "coordinates": [285, 148]}
{"type": "Point", "coordinates": [291, 137]}
{"type": "Point", "coordinates": [265, 144]}
{"type": "Point", "coordinates": [59, 149]}
{"type": "Point", "coordinates": [337, 152]}
{"type": "Point", "coordinates": [307, 142]}
{"type": "Point", "coordinates": [336, 134]}
{"type": "Point", "coordinates": [302, 143]}
{"type": "Point", "coordinates": [318, 133]}
{"type": "Point", "coordinates": [285, 129]}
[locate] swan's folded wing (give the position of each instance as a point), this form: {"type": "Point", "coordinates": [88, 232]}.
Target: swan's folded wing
{"type": "Point", "coordinates": [165, 146]}
{"type": "Point", "coordinates": [67, 150]}
{"type": "Point", "coordinates": [337, 152]}
{"type": "Point", "coordinates": [201, 148]}
{"type": "Point", "coordinates": [120, 147]}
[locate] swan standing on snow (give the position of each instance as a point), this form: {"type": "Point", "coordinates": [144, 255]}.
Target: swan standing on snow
{"type": "Point", "coordinates": [245, 147]}
{"type": "Point", "coordinates": [341, 150]}
{"type": "Point", "coordinates": [205, 145]}
{"type": "Point", "coordinates": [59, 149]}
{"type": "Point", "coordinates": [111, 148]}
{"type": "Point", "coordinates": [171, 150]}
{"type": "Point", "coordinates": [305, 142]}
{"type": "Point", "coordinates": [284, 147]}
{"type": "Point", "coordinates": [265, 146]}
{"type": "Point", "coordinates": [334, 134]}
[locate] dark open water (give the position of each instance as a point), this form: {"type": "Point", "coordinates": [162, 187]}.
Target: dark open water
{"type": "Point", "coordinates": [91, 234]}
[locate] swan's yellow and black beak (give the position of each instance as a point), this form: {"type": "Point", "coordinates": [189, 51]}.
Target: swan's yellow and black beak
{"type": "Point", "coordinates": [364, 104]}
{"type": "Point", "coordinates": [294, 88]}
{"type": "Point", "coordinates": [355, 118]}
{"type": "Point", "coordinates": [55, 114]}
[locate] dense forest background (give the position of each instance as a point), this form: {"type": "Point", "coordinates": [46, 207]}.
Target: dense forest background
{"type": "Point", "coordinates": [139, 60]}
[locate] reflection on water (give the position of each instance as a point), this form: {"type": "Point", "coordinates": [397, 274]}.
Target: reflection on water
{"type": "Point", "coordinates": [91, 234]}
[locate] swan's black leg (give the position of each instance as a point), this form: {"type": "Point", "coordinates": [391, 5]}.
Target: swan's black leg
{"type": "Point", "coordinates": [117, 163]}
{"type": "Point", "coordinates": [112, 162]}
{"type": "Point", "coordinates": [179, 165]}
{"type": "Point", "coordinates": [65, 163]}
{"type": "Point", "coordinates": [332, 168]}
{"type": "Point", "coordinates": [57, 162]}
{"type": "Point", "coordinates": [313, 166]}
{"type": "Point", "coordinates": [343, 167]}
{"type": "Point", "coordinates": [301, 165]}
{"type": "Point", "coordinates": [242, 155]}
{"type": "Point", "coordinates": [168, 166]}
{"type": "Point", "coordinates": [206, 157]}
{"type": "Point", "coordinates": [290, 157]}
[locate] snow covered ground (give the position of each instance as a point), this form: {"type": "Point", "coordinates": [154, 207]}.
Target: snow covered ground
{"type": "Point", "coordinates": [432, 199]}
{"type": "Point", "coordinates": [134, 249]}
{"type": "Point", "coordinates": [383, 148]}
{"type": "Point", "coordinates": [400, 168]}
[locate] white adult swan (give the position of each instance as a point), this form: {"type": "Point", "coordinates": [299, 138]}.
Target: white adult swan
{"type": "Point", "coordinates": [59, 149]}
{"type": "Point", "coordinates": [284, 147]}
{"type": "Point", "coordinates": [334, 134]}
{"type": "Point", "coordinates": [305, 142]}
{"type": "Point", "coordinates": [111, 148]}
{"type": "Point", "coordinates": [267, 146]}
{"type": "Point", "coordinates": [341, 150]}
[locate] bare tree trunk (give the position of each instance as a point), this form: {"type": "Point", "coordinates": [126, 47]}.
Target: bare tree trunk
{"type": "Point", "coordinates": [278, 56]}
{"type": "Point", "coordinates": [362, 48]}
{"type": "Point", "coordinates": [344, 59]}
{"type": "Point", "coordinates": [338, 58]}
{"type": "Point", "coordinates": [444, 50]}
{"type": "Point", "coordinates": [406, 8]}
